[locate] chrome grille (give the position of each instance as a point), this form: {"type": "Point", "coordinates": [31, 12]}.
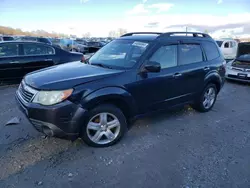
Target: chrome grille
{"type": "Point", "coordinates": [26, 93]}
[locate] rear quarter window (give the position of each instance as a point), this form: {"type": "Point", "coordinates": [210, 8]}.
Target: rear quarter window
{"type": "Point", "coordinates": [211, 50]}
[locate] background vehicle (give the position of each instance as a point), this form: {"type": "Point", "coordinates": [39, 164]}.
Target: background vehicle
{"type": "Point", "coordinates": [35, 39]}
{"type": "Point", "coordinates": [20, 58]}
{"type": "Point", "coordinates": [133, 75]}
{"type": "Point", "coordinates": [6, 38]}
{"type": "Point", "coordinates": [72, 45]}
{"type": "Point", "coordinates": [228, 48]}
{"type": "Point", "coordinates": [81, 41]}
{"type": "Point", "coordinates": [239, 69]}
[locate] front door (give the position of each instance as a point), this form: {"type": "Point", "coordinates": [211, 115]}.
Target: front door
{"type": "Point", "coordinates": [163, 89]}
{"type": "Point", "coordinates": [37, 56]}
{"type": "Point", "coordinates": [192, 67]}
{"type": "Point", "coordinates": [10, 65]}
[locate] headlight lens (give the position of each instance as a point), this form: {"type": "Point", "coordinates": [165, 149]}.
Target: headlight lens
{"type": "Point", "coordinates": [51, 97]}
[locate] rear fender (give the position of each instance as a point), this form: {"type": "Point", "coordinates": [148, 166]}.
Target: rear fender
{"type": "Point", "coordinates": [214, 77]}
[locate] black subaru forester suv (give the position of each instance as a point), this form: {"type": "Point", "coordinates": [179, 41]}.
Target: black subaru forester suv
{"type": "Point", "coordinates": [133, 75]}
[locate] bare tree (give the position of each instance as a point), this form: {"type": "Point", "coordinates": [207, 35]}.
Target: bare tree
{"type": "Point", "coordinates": [112, 34]}
{"type": "Point", "coordinates": [86, 35]}
{"type": "Point", "coordinates": [121, 31]}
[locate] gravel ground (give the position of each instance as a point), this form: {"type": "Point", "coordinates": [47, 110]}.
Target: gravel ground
{"type": "Point", "coordinates": [181, 148]}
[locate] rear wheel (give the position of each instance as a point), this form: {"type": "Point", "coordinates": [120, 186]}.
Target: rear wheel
{"type": "Point", "coordinates": [105, 126]}
{"type": "Point", "coordinates": [207, 99]}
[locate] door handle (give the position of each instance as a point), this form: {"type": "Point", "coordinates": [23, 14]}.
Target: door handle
{"type": "Point", "coordinates": [206, 68]}
{"type": "Point", "coordinates": [13, 62]}
{"type": "Point", "coordinates": [48, 60]}
{"type": "Point", "coordinates": [176, 75]}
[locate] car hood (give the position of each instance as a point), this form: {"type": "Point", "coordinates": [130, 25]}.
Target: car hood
{"type": "Point", "coordinates": [243, 49]}
{"type": "Point", "coordinates": [67, 76]}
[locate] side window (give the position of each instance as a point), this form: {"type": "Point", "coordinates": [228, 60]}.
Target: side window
{"type": "Point", "coordinates": [36, 49]}
{"type": "Point", "coordinates": [166, 56]}
{"type": "Point", "coordinates": [210, 50]}
{"type": "Point", "coordinates": [190, 53]}
{"type": "Point", "coordinates": [7, 50]}
{"type": "Point", "coordinates": [226, 45]}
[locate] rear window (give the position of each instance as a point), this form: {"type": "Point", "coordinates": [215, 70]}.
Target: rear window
{"type": "Point", "coordinates": [37, 49]}
{"type": "Point", "coordinates": [190, 53]}
{"type": "Point", "coordinates": [211, 50]}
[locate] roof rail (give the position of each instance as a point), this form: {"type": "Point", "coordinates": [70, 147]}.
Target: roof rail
{"type": "Point", "coordinates": [139, 33]}
{"type": "Point", "coordinates": [195, 34]}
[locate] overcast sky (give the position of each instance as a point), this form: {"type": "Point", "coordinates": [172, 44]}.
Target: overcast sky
{"type": "Point", "coordinates": [98, 17]}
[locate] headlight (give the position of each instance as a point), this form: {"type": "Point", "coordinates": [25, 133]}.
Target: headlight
{"type": "Point", "coordinates": [51, 97]}
{"type": "Point", "coordinates": [229, 67]}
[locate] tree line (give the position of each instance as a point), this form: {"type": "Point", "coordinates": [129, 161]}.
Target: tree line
{"type": "Point", "coordinates": [11, 31]}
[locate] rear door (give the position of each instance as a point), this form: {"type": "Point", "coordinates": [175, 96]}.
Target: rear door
{"type": "Point", "coordinates": [192, 69]}
{"type": "Point", "coordinates": [10, 65]}
{"type": "Point", "coordinates": [227, 50]}
{"type": "Point", "coordinates": [37, 56]}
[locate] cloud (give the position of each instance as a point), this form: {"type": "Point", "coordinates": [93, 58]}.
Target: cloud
{"type": "Point", "coordinates": [138, 9]}
{"type": "Point", "coordinates": [161, 7]}
{"type": "Point", "coordinates": [84, 1]}
{"type": "Point", "coordinates": [144, 1]}
{"type": "Point", "coordinates": [219, 2]}
{"type": "Point", "coordinates": [142, 8]}
{"type": "Point", "coordinates": [152, 25]}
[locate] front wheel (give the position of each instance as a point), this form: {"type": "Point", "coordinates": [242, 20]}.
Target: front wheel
{"type": "Point", "coordinates": [105, 126]}
{"type": "Point", "coordinates": [207, 99]}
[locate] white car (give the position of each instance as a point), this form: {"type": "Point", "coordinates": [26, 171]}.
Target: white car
{"type": "Point", "coordinates": [239, 68]}
{"type": "Point", "coordinates": [228, 47]}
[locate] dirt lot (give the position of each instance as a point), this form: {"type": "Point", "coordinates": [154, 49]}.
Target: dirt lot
{"type": "Point", "coordinates": [181, 148]}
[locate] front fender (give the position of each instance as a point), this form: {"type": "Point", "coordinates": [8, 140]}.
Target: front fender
{"type": "Point", "coordinates": [110, 94]}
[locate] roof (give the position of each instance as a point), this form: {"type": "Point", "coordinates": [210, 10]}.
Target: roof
{"type": "Point", "coordinates": [150, 36]}
{"type": "Point", "coordinates": [13, 41]}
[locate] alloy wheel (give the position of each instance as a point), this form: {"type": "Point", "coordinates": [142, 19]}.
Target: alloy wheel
{"type": "Point", "coordinates": [209, 97]}
{"type": "Point", "coordinates": [103, 128]}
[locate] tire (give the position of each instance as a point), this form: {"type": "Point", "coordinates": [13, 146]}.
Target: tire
{"type": "Point", "coordinates": [199, 104]}
{"type": "Point", "coordinates": [96, 128]}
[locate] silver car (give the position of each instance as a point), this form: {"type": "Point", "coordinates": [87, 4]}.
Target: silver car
{"type": "Point", "coordinates": [239, 68]}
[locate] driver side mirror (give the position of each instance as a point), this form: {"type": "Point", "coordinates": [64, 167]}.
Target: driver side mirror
{"type": "Point", "coordinates": [152, 66]}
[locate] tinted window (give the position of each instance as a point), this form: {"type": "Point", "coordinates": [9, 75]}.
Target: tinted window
{"type": "Point", "coordinates": [44, 40]}
{"type": "Point", "coordinates": [8, 38]}
{"type": "Point", "coordinates": [211, 50]}
{"type": "Point", "coordinates": [219, 43]}
{"type": "Point", "coordinates": [36, 49]}
{"type": "Point", "coordinates": [166, 56]}
{"type": "Point", "coordinates": [226, 45]}
{"type": "Point", "coordinates": [190, 53]}
{"type": "Point", "coordinates": [8, 50]}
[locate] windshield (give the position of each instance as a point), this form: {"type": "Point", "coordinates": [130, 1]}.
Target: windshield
{"type": "Point", "coordinates": [119, 53]}
{"type": "Point", "coordinates": [219, 43]}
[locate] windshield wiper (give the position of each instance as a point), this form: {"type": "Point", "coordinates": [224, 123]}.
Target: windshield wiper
{"type": "Point", "coordinates": [101, 65]}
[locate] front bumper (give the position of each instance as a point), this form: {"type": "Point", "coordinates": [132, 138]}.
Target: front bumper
{"type": "Point", "coordinates": [237, 75]}
{"type": "Point", "coordinates": [62, 120]}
